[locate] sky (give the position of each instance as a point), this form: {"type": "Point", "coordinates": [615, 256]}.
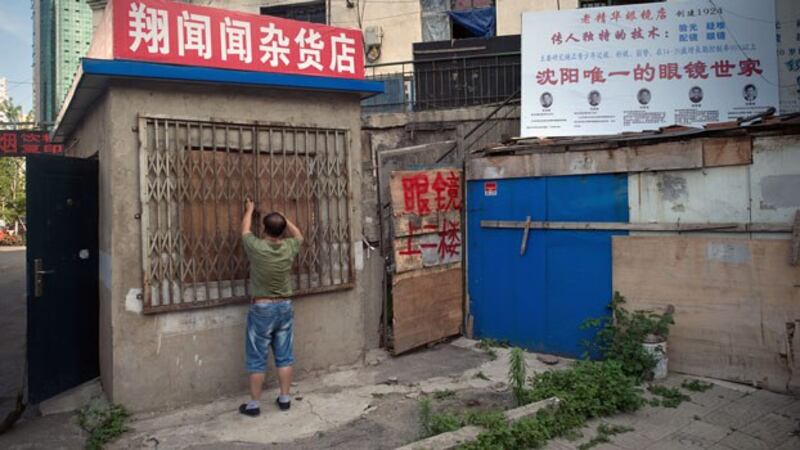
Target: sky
{"type": "Point", "coordinates": [16, 52]}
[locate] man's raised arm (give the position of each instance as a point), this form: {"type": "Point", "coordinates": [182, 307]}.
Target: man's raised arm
{"type": "Point", "coordinates": [247, 220]}
{"type": "Point", "coordinates": [293, 230]}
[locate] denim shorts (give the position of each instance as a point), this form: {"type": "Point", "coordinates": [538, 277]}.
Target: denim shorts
{"type": "Point", "coordinates": [269, 324]}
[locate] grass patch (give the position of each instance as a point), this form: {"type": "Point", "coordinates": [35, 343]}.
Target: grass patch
{"type": "Point", "coordinates": [103, 423]}
{"type": "Point", "coordinates": [432, 423]}
{"type": "Point", "coordinates": [696, 385]}
{"type": "Point", "coordinates": [587, 390]}
{"type": "Point", "coordinates": [604, 434]}
{"type": "Point", "coordinates": [670, 397]}
{"type": "Point", "coordinates": [443, 395]}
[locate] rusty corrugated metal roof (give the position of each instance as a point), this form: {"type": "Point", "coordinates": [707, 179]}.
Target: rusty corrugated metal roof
{"type": "Point", "coordinates": [763, 123]}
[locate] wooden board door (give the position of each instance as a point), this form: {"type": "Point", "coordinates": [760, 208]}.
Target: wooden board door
{"type": "Point", "coordinates": [427, 283]}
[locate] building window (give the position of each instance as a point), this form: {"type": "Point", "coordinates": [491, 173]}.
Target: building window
{"type": "Point", "coordinates": [597, 3]}
{"type": "Point", "coordinates": [307, 11]}
{"type": "Point", "coordinates": [194, 178]}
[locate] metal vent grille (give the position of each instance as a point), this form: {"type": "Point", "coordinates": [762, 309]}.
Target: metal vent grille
{"type": "Point", "coordinates": [194, 177]}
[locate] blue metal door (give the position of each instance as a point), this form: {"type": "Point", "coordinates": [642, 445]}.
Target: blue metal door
{"type": "Point", "coordinates": [538, 300]}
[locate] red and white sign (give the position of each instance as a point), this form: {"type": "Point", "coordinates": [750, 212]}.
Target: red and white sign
{"type": "Point", "coordinates": [179, 33]}
{"type": "Point", "coordinates": [490, 189]}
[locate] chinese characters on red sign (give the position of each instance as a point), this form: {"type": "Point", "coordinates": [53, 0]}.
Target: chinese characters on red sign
{"type": "Point", "coordinates": [428, 212]}
{"type": "Point", "coordinates": [21, 143]}
{"type": "Point", "coordinates": [178, 33]}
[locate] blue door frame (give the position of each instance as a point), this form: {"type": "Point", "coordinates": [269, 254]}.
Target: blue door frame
{"type": "Point", "coordinates": [539, 300]}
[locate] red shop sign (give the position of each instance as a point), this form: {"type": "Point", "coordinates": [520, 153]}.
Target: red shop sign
{"type": "Point", "coordinates": [179, 33]}
{"type": "Point", "coordinates": [21, 143]}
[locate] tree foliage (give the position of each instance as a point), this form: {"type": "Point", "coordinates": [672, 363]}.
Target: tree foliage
{"type": "Point", "coordinates": [12, 169]}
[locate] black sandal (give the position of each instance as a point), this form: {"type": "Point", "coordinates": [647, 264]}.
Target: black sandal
{"type": "Point", "coordinates": [283, 406]}
{"type": "Point", "coordinates": [252, 412]}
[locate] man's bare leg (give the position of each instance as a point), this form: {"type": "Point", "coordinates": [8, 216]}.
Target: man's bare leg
{"type": "Point", "coordinates": [285, 379]}
{"type": "Point", "coordinates": [256, 385]}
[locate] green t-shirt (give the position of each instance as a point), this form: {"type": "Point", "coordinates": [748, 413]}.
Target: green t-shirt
{"type": "Point", "coordinates": [270, 265]}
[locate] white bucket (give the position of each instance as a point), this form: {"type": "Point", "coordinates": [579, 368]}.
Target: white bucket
{"type": "Point", "coordinates": [659, 350]}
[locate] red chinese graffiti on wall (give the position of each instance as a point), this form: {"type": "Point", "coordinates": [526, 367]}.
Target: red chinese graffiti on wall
{"type": "Point", "coordinates": [428, 210]}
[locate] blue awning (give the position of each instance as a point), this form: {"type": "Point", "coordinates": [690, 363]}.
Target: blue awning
{"type": "Point", "coordinates": [480, 21]}
{"type": "Point", "coordinates": [93, 76]}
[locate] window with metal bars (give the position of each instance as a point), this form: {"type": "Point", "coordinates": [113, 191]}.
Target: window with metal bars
{"type": "Point", "coordinates": [194, 177]}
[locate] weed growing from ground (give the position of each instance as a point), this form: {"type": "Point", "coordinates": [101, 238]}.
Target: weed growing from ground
{"type": "Point", "coordinates": [104, 424]}
{"type": "Point", "coordinates": [587, 390]}
{"type": "Point", "coordinates": [445, 394]}
{"type": "Point", "coordinates": [516, 375]}
{"type": "Point", "coordinates": [481, 376]}
{"type": "Point", "coordinates": [670, 397]}
{"type": "Point", "coordinates": [620, 338]}
{"type": "Point", "coordinates": [696, 385]}
{"type": "Point", "coordinates": [604, 433]}
{"type": "Point", "coordinates": [432, 424]}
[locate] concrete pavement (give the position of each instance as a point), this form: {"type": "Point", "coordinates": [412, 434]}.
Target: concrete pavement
{"type": "Point", "coordinates": [375, 406]}
{"type": "Point", "coordinates": [12, 325]}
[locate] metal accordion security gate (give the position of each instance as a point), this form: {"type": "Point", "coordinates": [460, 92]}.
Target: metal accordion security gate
{"type": "Point", "coordinates": [194, 177]}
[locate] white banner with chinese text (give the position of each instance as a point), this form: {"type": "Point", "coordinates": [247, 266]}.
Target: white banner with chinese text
{"type": "Point", "coordinates": [621, 69]}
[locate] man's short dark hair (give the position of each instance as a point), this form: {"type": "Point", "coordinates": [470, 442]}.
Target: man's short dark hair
{"type": "Point", "coordinates": [274, 224]}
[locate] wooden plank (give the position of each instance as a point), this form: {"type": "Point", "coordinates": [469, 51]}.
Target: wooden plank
{"type": "Point", "coordinates": [427, 307]}
{"type": "Point", "coordinates": [664, 156]}
{"type": "Point", "coordinates": [426, 250]}
{"type": "Point", "coordinates": [736, 303]}
{"type": "Point", "coordinates": [655, 227]}
{"type": "Point", "coordinates": [402, 224]}
{"type": "Point", "coordinates": [424, 192]}
{"type": "Point", "coordinates": [735, 151]}
{"type": "Point", "coordinates": [426, 217]}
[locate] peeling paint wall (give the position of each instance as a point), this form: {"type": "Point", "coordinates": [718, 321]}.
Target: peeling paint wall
{"type": "Point", "coordinates": [767, 191]}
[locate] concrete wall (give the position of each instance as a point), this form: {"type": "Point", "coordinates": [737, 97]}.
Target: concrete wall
{"type": "Point", "coordinates": [165, 360]}
{"type": "Point", "coordinates": [509, 12]}
{"type": "Point", "coordinates": [89, 141]}
{"type": "Point", "coordinates": [390, 131]}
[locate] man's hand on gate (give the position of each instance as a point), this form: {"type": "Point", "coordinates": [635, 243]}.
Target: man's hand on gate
{"type": "Point", "coordinates": [250, 206]}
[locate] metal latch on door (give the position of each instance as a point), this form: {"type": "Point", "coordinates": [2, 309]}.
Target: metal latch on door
{"type": "Point", "coordinates": [38, 277]}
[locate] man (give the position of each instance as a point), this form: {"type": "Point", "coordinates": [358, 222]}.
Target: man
{"type": "Point", "coordinates": [696, 94]}
{"type": "Point", "coordinates": [546, 100]}
{"type": "Point", "coordinates": [594, 98]}
{"type": "Point", "coordinates": [644, 96]}
{"type": "Point", "coordinates": [750, 93]}
{"type": "Point", "coordinates": [270, 319]}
